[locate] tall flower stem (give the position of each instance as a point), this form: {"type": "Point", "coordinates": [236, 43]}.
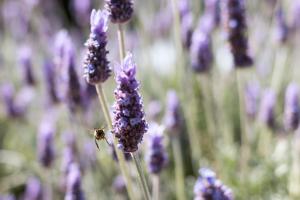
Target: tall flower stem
{"type": "Point", "coordinates": [120, 155]}
{"type": "Point", "coordinates": [137, 163]}
{"type": "Point", "coordinates": [141, 175]}
{"type": "Point", "coordinates": [179, 175]}
{"type": "Point", "coordinates": [245, 148]}
{"type": "Point", "coordinates": [155, 190]}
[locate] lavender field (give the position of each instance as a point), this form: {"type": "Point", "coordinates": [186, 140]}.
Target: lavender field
{"type": "Point", "coordinates": [154, 100]}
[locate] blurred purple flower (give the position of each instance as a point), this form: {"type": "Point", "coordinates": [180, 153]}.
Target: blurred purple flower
{"type": "Point", "coordinates": [252, 92]}
{"type": "Point", "coordinates": [201, 51]}
{"type": "Point", "coordinates": [208, 187]}
{"type": "Point", "coordinates": [267, 108]}
{"type": "Point", "coordinates": [12, 109]}
{"type": "Point", "coordinates": [120, 11]}
{"type": "Point", "coordinates": [129, 123]}
{"type": "Point", "coordinates": [291, 107]}
{"type": "Point", "coordinates": [154, 109]}
{"type": "Point", "coordinates": [119, 185]}
{"type": "Point", "coordinates": [234, 12]}
{"type": "Point", "coordinates": [7, 197]}
{"type": "Point", "coordinates": [45, 143]}
{"type": "Point", "coordinates": [74, 189]}
{"type": "Point", "coordinates": [34, 190]}
{"type": "Point", "coordinates": [173, 117]}
{"type": "Point", "coordinates": [49, 74]}
{"type": "Point", "coordinates": [213, 8]}
{"type": "Point", "coordinates": [25, 56]}
{"type": "Point", "coordinates": [96, 67]}
{"type": "Point", "coordinates": [157, 157]}
{"type": "Point", "coordinates": [82, 10]}
{"type": "Point", "coordinates": [282, 29]}
{"type": "Point", "coordinates": [186, 18]}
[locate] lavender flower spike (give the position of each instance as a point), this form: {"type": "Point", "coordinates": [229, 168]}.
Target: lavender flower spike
{"type": "Point", "coordinates": [96, 68]}
{"type": "Point", "coordinates": [34, 190]}
{"type": "Point", "coordinates": [237, 28]}
{"type": "Point", "coordinates": [267, 108]}
{"type": "Point", "coordinates": [129, 123]}
{"type": "Point", "coordinates": [173, 117]}
{"type": "Point", "coordinates": [157, 157]}
{"type": "Point", "coordinates": [291, 107]}
{"type": "Point", "coordinates": [74, 190]}
{"type": "Point", "coordinates": [120, 11]}
{"type": "Point", "coordinates": [26, 64]}
{"type": "Point", "coordinates": [45, 144]}
{"type": "Point", "coordinates": [208, 187]}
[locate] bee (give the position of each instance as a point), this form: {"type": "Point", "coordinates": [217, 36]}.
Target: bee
{"type": "Point", "coordinates": [99, 134]}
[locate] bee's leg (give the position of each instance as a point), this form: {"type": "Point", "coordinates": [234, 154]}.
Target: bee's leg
{"type": "Point", "coordinates": [107, 141]}
{"type": "Point", "coordinates": [97, 144]}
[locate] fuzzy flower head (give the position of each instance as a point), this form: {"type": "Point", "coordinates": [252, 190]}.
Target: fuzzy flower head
{"type": "Point", "coordinates": [129, 123]}
{"type": "Point", "coordinates": [45, 142]}
{"type": "Point", "coordinates": [251, 94]}
{"type": "Point", "coordinates": [96, 66]}
{"type": "Point", "coordinates": [25, 56]}
{"type": "Point", "coordinates": [208, 187]}
{"type": "Point", "coordinates": [99, 20]}
{"type": "Point", "coordinates": [120, 11]}
{"type": "Point", "coordinates": [291, 107]}
{"type": "Point", "coordinates": [157, 157]}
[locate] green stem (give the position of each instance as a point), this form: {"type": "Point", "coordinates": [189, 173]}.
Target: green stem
{"type": "Point", "coordinates": [120, 155]}
{"type": "Point", "coordinates": [155, 191]}
{"type": "Point", "coordinates": [244, 137]}
{"type": "Point", "coordinates": [121, 42]}
{"type": "Point", "coordinates": [179, 174]}
{"type": "Point", "coordinates": [142, 177]}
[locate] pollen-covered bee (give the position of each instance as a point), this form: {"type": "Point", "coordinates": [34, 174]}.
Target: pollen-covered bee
{"type": "Point", "coordinates": [99, 134]}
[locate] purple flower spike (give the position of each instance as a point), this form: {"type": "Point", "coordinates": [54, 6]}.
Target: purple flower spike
{"type": "Point", "coordinates": [120, 11]}
{"type": "Point", "coordinates": [267, 108]}
{"type": "Point", "coordinates": [208, 187]}
{"type": "Point", "coordinates": [49, 73]}
{"type": "Point", "coordinates": [186, 18]}
{"type": "Point", "coordinates": [282, 29]}
{"type": "Point", "coordinates": [212, 7]}
{"type": "Point", "coordinates": [34, 190]}
{"type": "Point", "coordinates": [8, 96]}
{"type": "Point", "coordinates": [201, 51]}
{"type": "Point", "coordinates": [173, 117]}
{"type": "Point", "coordinates": [74, 190]}
{"type": "Point", "coordinates": [45, 144]}
{"type": "Point", "coordinates": [291, 107]}
{"type": "Point", "coordinates": [234, 12]}
{"type": "Point", "coordinates": [157, 157]}
{"type": "Point", "coordinates": [129, 123]}
{"type": "Point", "coordinates": [96, 68]}
{"type": "Point", "coordinates": [26, 64]}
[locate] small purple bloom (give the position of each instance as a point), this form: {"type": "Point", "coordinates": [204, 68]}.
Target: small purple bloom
{"type": "Point", "coordinates": [74, 190]}
{"type": "Point", "coordinates": [282, 28]}
{"type": "Point", "coordinates": [26, 65]}
{"type": "Point", "coordinates": [213, 8]}
{"type": "Point", "coordinates": [49, 74]}
{"type": "Point", "coordinates": [120, 11]}
{"type": "Point", "coordinates": [129, 123]}
{"type": "Point", "coordinates": [96, 67]}
{"type": "Point", "coordinates": [82, 10]}
{"type": "Point", "coordinates": [34, 190]}
{"type": "Point", "coordinates": [267, 108]}
{"type": "Point", "coordinates": [173, 117]}
{"type": "Point", "coordinates": [234, 12]}
{"type": "Point", "coordinates": [186, 19]}
{"type": "Point", "coordinates": [157, 157]}
{"type": "Point", "coordinates": [45, 143]}
{"type": "Point", "coordinates": [201, 51]}
{"type": "Point", "coordinates": [8, 96]}
{"type": "Point", "coordinates": [119, 185]}
{"type": "Point", "coordinates": [208, 187]}
{"type": "Point", "coordinates": [291, 107]}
